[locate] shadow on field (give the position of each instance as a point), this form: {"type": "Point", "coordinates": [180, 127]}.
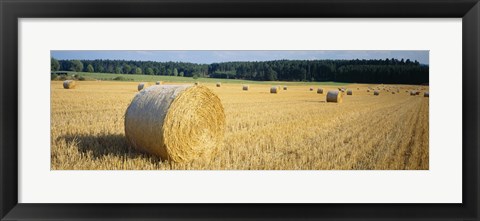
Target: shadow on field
{"type": "Point", "coordinates": [105, 145]}
{"type": "Point", "coordinates": [310, 101]}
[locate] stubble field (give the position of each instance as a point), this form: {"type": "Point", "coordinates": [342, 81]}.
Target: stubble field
{"type": "Point", "coordinates": [293, 130]}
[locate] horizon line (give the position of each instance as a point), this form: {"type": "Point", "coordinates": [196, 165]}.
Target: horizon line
{"type": "Point", "coordinates": [328, 59]}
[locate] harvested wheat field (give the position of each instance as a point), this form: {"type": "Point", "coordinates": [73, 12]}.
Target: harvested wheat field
{"type": "Point", "coordinates": [293, 130]}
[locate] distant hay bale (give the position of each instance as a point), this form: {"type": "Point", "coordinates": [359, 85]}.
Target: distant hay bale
{"type": "Point", "coordinates": [393, 92]}
{"type": "Point", "coordinates": [311, 89]}
{"type": "Point", "coordinates": [197, 83]}
{"type": "Point", "coordinates": [178, 123]}
{"type": "Point", "coordinates": [368, 90]}
{"type": "Point", "coordinates": [219, 84]}
{"type": "Point", "coordinates": [413, 93]}
{"type": "Point", "coordinates": [69, 84]}
{"type": "Point", "coordinates": [320, 91]}
{"type": "Point", "coordinates": [284, 88]}
{"type": "Point", "coordinates": [349, 92]}
{"type": "Point", "coordinates": [141, 86]}
{"type": "Point", "coordinates": [335, 96]}
{"type": "Point", "coordinates": [376, 93]}
{"type": "Point", "coordinates": [426, 94]}
{"type": "Point", "coordinates": [274, 90]}
{"type": "Point", "coordinates": [245, 87]}
{"type": "Point", "coordinates": [159, 83]}
{"type": "Point", "coordinates": [417, 92]}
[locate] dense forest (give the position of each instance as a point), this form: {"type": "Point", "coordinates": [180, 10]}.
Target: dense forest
{"type": "Point", "coordinates": [358, 71]}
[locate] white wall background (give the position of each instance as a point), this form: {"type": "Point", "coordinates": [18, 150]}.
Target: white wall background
{"type": "Point", "coordinates": [441, 184]}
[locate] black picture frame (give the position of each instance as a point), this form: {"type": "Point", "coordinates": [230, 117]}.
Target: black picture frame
{"type": "Point", "coordinates": [12, 10]}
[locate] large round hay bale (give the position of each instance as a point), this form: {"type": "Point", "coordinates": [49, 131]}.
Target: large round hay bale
{"type": "Point", "coordinates": [426, 94]}
{"type": "Point", "coordinates": [141, 86]}
{"type": "Point", "coordinates": [69, 84]}
{"type": "Point", "coordinates": [320, 91]}
{"type": "Point", "coordinates": [219, 84]}
{"type": "Point", "coordinates": [179, 123]}
{"type": "Point", "coordinates": [159, 83]}
{"type": "Point", "coordinates": [274, 90]}
{"type": "Point", "coordinates": [335, 96]}
{"type": "Point", "coordinates": [245, 87]}
{"type": "Point", "coordinates": [349, 92]}
{"type": "Point", "coordinates": [285, 88]}
{"type": "Point", "coordinates": [376, 93]}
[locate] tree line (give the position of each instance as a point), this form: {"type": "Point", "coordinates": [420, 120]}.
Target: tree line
{"type": "Point", "coordinates": [358, 71]}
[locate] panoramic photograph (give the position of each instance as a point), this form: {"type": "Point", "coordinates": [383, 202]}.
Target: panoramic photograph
{"type": "Point", "coordinates": [239, 110]}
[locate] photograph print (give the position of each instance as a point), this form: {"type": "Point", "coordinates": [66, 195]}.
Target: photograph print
{"type": "Point", "coordinates": [239, 110]}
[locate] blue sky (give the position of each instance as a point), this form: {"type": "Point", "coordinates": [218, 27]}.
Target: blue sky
{"type": "Point", "coordinates": [207, 57]}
